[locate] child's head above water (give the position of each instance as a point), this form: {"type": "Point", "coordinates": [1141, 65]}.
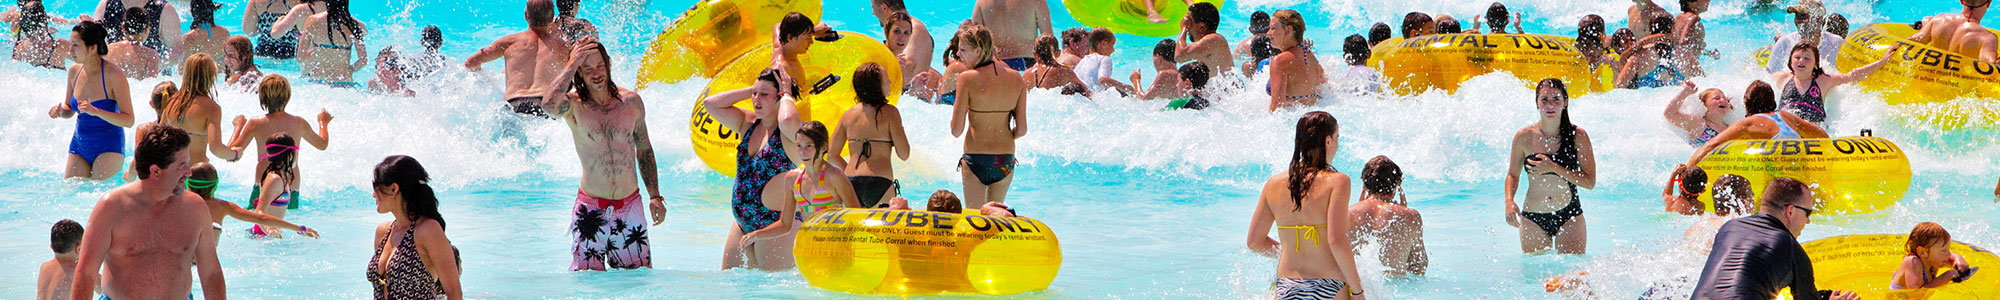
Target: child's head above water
{"type": "Point", "coordinates": [64, 236]}
{"type": "Point", "coordinates": [1930, 242]}
{"type": "Point", "coordinates": [946, 202]}
{"type": "Point", "coordinates": [201, 180]}
{"type": "Point", "coordinates": [1732, 195]}
{"type": "Point", "coordinates": [274, 92]}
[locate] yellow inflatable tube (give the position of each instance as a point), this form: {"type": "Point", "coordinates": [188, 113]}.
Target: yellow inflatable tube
{"type": "Point", "coordinates": [714, 33]}
{"type": "Point", "coordinates": [1864, 265]}
{"type": "Point", "coordinates": [1445, 61]}
{"type": "Point", "coordinates": [1920, 74]}
{"type": "Point", "coordinates": [903, 252]}
{"type": "Point", "coordinates": [827, 64]}
{"type": "Point", "coordinates": [1129, 16]}
{"type": "Point", "coordinates": [1849, 175]}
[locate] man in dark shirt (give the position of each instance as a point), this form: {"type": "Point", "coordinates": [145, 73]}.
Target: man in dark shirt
{"type": "Point", "coordinates": [1758, 255]}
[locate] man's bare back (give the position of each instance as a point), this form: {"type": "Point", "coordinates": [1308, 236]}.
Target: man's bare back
{"type": "Point", "coordinates": [1015, 24]}
{"type": "Point", "coordinates": [1959, 34]}
{"type": "Point", "coordinates": [532, 60]}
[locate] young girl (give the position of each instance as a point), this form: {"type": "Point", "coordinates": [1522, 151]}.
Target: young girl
{"type": "Point", "coordinates": [277, 181]}
{"type": "Point", "coordinates": [811, 191]}
{"type": "Point", "coordinates": [1928, 249]}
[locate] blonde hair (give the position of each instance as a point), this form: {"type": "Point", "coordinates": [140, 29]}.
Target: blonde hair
{"type": "Point", "coordinates": [1297, 23]}
{"type": "Point", "coordinates": [273, 92]}
{"type": "Point", "coordinates": [977, 37]}
{"type": "Point", "coordinates": [161, 92]}
{"type": "Point", "coordinates": [197, 79]}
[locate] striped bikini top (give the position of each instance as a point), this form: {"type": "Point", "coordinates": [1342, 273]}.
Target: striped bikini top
{"type": "Point", "coordinates": [821, 199]}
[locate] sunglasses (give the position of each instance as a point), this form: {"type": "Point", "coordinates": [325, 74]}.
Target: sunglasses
{"type": "Point", "coordinates": [1809, 211]}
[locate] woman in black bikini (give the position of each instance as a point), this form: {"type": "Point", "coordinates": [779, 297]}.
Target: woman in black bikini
{"type": "Point", "coordinates": [986, 120]}
{"type": "Point", "coordinates": [874, 130]}
{"type": "Point", "coordinates": [278, 44]}
{"type": "Point", "coordinates": [413, 258]}
{"type": "Point", "coordinates": [1558, 159]}
{"type": "Point", "coordinates": [35, 41]}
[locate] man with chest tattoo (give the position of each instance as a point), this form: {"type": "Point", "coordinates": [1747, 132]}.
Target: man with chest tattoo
{"type": "Point", "coordinates": [608, 126]}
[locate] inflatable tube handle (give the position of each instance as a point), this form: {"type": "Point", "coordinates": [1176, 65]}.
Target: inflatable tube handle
{"type": "Point", "coordinates": [1867, 132]}
{"type": "Point", "coordinates": [825, 83]}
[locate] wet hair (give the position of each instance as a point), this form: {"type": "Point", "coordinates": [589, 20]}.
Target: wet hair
{"type": "Point", "coordinates": [1449, 26]}
{"type": "Point", "coordinates": [433, 39]}
{"type": "Point", "coordinates": [895, 5]}
{"type": "Point", "coordinates": [1379, 33]}
{"type": "Point", "coordinates": [793, 25]}
{"type": "Point", "coordinates": [33, 17]}
{"type": "Point", "coordinates": [1837, 24]}
{"type": "Point", "coordinates": [419, 201]}
{"type": "Point", "coordinates": [65, 235]}
{"type": "Point", "coordinates": [1412, 22]}
{"type": "Point", "coordinates": [1164, 50]}
{"type": "Point", "coordinates": [1381, 177]}
{"type": "Point", "coordinates": [1204, 13]}
{"type": "Point", "coordinates": [1497, 17]}
{"type": "Point", "coordinates": [1291, 18]}
{"type": "Point", "coordinates": [540, 13]}
{"type": "Point", "coordinates": [1261, 48]}
{"type": "Point", "coordinates": [92, 34]}
{"type": "Point", "coordinates": [1783, 191]}
{"type": "Point", "coordinates": [206, 173]}
{"type": "Point", "coordinates": [197, 80]}
{"type": "Point", "coordinates": [1356, 50]}
{"type": "Point", "coordinates": [1099, 36]}
{"type": "Point", "coordinates": [134, 24]}
{"type": "Point", "coordinates": [280, 162]}
{"type": "Point", "coordinates": [1925, 235]}
{"type": "Point", "coordinates": [1590, 31]}
{"type": "Point", "coordinates": [274, 92]}
{"type": "Point", "coordinates": [977, 37]}
{"type": "Point", "coordinates": [201, 14]}
{"type": "Point", "coordinates": [1687, 6]}
{"type": "Point", "coordinates": [1621, 39]}
{"type": "Point", "coordinates": [1661, 24]}
{"type": "Point", "coordinates": [1309, 153]}
{"type": "Point", "coordinates": [241, 45]}
{"type": "Point", "coordinates": [161, 92]}
{"type": "Point", "coordinates": [868, 85]}
{"type": "Point", "coordinates": [1195, 74]}
{"type": "Point", "coordinates": [1566, 153]}
{"type": "Point", "coordinates": [566, 7]}
{"type": "Point", "coordinates": [339, 18]}
{"type": "Point", "coordinates": [946, 202]}
{"type": "Point", "coordinates": [1045, 50]}
{"type": "Point", "coordinates": [583, 87]}
{"type": "Point", "coordinates": [1732, 195]}
{"type": "Point", "coordinates": [1693, 181]}
{"type": "Point", "coordinates": [815, 133]}
{"type": "Point", "coordinates": [156, 147]}
{"type": "Point", "coordinates": [1814, 49]}
{"type": "Point", "coordinates": [1073, 36]}
{"type": "Point", "coordinates": [771, 75]}
{"type": "Point", "coordinates": [1759, 99]}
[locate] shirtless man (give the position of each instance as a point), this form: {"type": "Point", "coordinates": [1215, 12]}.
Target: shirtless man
{"type": "Point", "coordinates": [1015, 24]}
{"type": "Point", "coordinates": [911, 41]}
{"type": "Point", "coordinates": [532, 58]}
{"type": "Point", "coordinates": [1960, 33]}
{"type": "Point", "coordinates": [1639, 17]}
{"type": "Point", "coordinates": [144, 234]}
{"type": "Point", "coordinates": [1383, 216]}
{"type": "Point", "coordinates": [608, 126]}
{"type": "Point", "coordinates": [1199, 42]}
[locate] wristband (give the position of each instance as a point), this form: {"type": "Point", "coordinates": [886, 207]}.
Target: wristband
{"type": "Point", "coordinates": [303, 228]}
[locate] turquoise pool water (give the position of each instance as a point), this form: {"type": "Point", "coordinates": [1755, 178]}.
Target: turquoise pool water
{"type": "Point", "coordinates": [1149, 204]}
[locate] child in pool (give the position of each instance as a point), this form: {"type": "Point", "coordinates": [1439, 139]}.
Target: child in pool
{"type": "Point", "coordinates": [1928, 249]}
{"type": "Point", "coordinates": [54, 279]}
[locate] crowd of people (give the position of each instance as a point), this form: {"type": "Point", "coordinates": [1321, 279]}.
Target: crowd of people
{"type": "Point", "coordinates": [558, 69]}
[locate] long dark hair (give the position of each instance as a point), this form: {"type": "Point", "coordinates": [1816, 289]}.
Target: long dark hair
{"type": "Point", "coordinates": [337, 14]}
{"type": "Point", "coordinates": [419, 201]}
{"type": "Point", "coordinates": [33, 18]}
{"type": "Point", "coordinates": [583, 88]}
{"type": "Point", "coordinates": [201, 14]}
{"type": "Point", "coordinates": [868, 88]}
{"type": "Point", "coordinates": [1309, 153]}
{"type": "Point", "coordinates": [1566, 153]}
{"type": "Point", "coordinates": [282, 161]}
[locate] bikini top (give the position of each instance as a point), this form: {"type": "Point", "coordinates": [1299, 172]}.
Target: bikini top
{"type": "Point", "coordinates": [821, 198]}
{"type": "Point", "coordinates": [1009, 112]}
{"type": "Point", "coordinates": [405, 277]}
{"type": "Point", "coordinates": [1785, 131]}
{"type": "Point", "coordinates": [866, 143]}
{"type": "Point", "coordinates": [1305, 233]}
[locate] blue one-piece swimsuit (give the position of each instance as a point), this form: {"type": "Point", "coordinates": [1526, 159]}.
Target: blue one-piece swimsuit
{"type": "Point", "coordinates": [94, 136]}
